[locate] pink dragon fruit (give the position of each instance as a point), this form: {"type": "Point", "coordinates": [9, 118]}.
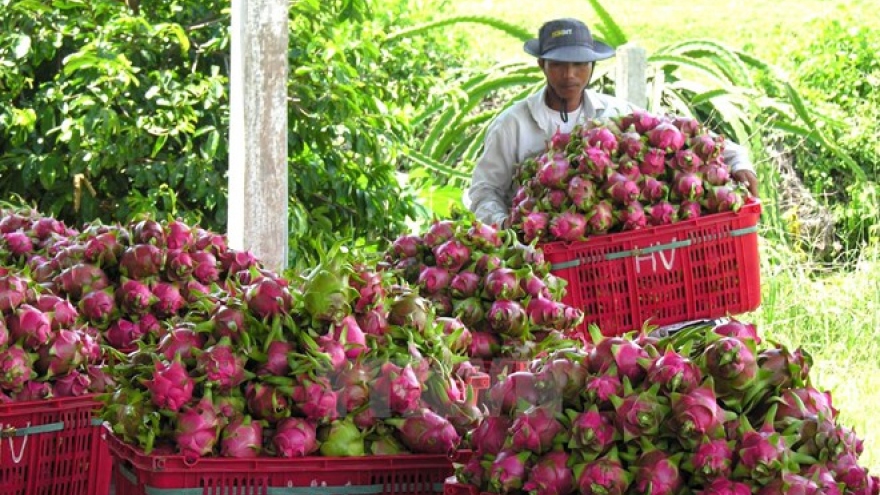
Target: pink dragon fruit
{"type": "Point", "coordinates": [396, 389]}
{"type": "Point", "coordinates": [761, 454]}
{"type": "Point", "coordinates": [550, 475]}
{"type": "Point", "coordinates": [653, 163]}
{"type": "Point", "coordinates": [439, 232]}
{"type": "Point", "coordinates": [434, 279]}
{"type": "Point", "coordinates": [181, 341]}
{"type": "Point", "coordinates": [171, 387]}
{"type": "Point", "coordinates": [295, 437]}
{"type": "Point", "coordinates": [220, 364]}
{"type": "Point", "coordinates": [633, 217]}
{"type": "Point", "coordinates": [711, 459]}
{"type": "Point", "coordinates": [98, 307]}
{"type": "Point", "coordinates": [73, 384]}
{"type": "Point", "coordinates": [581, 191]}
{"type": "Point", "coordinates": [554, 200]}
{"type": "Point", "coordinates": [631, 144]}
{"type": "Point", "coordinates": [640, 414]}
{"type": "Point", "coordinates": [483, 236]}
{"type": "Point", "coordinates": [738, 329]}
{"type": "Point", "coordinates": [484, 345]}
{"type": "Point", "coordinates": [502, 283]}
{"type": "Point", "coordinates": [715, 173]}
{"type": "Point", "coordinates": [569, 226]}
{"type": "Point", "coordinates": [15, 368]}
{"type": "Point", "coordinates": [554, 174]}
{"type": "Point", "coordinates": [706, 146]}
{"type": "Point", "coordinates": [242, 438]}
{"type": "Point", "coordinates": [657, 473]}
{"type": "Point", "coordinates": [135, 297]}
{"type": "Point", "coordinates": [464, 284]}
{"type": "Point", "coordinates": [268, 297]}
{"type": "Point", "coordinates": [349, 333]}
{"type": "Point", "coordinates": [205, 267]}
{"type": "Point", "coordinates": [178, 235]}
{"type": "Point", "coordinates": [62, 353]}
{"type": "Point", "coordinates": [674, 372]}
{"type": "Point", "coordinates": [426, 432]}
{"type": "Point", "coordinates": [489, 437]}
{"type": "Point", "coordinates": [639, 120]}
{"type": "Point", "coordinates": [688, 186]}
{"type": "Point", "coordinates": [595, 163]}
{"type": "Point", "coordinates": [800, 403]}
{"type": "Point", "coordinates": [62, 312]}
{"type": "Point", "coordinates": [592, 431]}
{"type": "Point", "coordinates": [621, 190]}
{"type": "Point", "coordinates": [784, 368]}
{"type": "Point", "coordinates": [141, 261]}
{"type": "Point", "coordinates": [600, 388]}
{"type": "Point", "coordinates": [407, 246]}
{"type": "Point", "coordinates": [314, 398]}
{"type": "Point", "coordinates": [29, 326]}
{"type": "Point", "coordinates": [689, 210]}
{"type": "Point", "coordinates": [666, 137]}
{"type": "Point", "coordinates": [507, 317]}
{"type": "Point", "coordinates": [686, 160]}
{"type": "Point", "coordinates": [629, 168]}
{"type": "Point", "coordinates": [196, 429]}
{"type": "Point", "coordinates": [724, 486]}
{"type": "Point", "coordinates": [33, 390]}
{"type": "Point", "coordinates": [535, 430]}
{"type": "Point", "coordinates": [13, 291]}
{"type": "Point", "coordinates": [534, 225]}
{"type": "Point", "coordinates": [277, 363]}
{"type": "Point", "coordinates": [507, 471]}
{"type": "Point", "coordinates": [603, 476]}
{"type": "Point", "coordinates": [696, 414]}
{"type": "Point", "coordinates": [17, 243]}
{"type": "Point", "coordinates": [626, 355]}
{"type": "Point", "coordinates": [719, 199]}
{"type": "Point", "coordinates": [600, 218]}
{"type": "Point", "coordinates": [178, 265]}
{"type": "Point", "coordinates": [601, 137]}
{"type": "Point", "coordinates": [451, 255]}
{"type": "Point", "coordinates": [688, 126]}
{"type": "Point", "coordinates": [148, 231]}
{"type": "Point", "coordinates": [265, 401]}
{"type": "Point", "coordinates": [731, 362]}
{"type": "Point", "coordinates": [653, 190]}
{"type": "Point", "coordinates": [791, 484]}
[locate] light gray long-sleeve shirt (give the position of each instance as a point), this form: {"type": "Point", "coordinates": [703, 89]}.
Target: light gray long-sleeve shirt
{"type": "Point", "coordinates": [522, 131]}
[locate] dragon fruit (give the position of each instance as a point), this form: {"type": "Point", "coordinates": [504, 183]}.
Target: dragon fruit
{"type": "Point", "coordinates": [674, 372]}
{"type": "Point", "coordinates": [135, 297]}
{"type": "Point", "coordinates": [196, 429]}
{"type": "Point", "coordinates": [639, 120]}
{"type": "Point", "coordinates": [686, 160]}
{"type": "Point", "coordinates": [314, 398]}
{"type": "Point", "coordinates": [169, 300]}
{"type": "Point", "coordinates": [535, 430]}
{"type": "Point", "coordinates": [452, 255]}
{"type": "Point", "coordinates": [592, 432]}
{"type": "Point", "coordinates": [582, 192]}
{"type": "Point", "coordinates": [265, 401]}
{"type": "Point", "coordinates": [600, 388]}
{"type": "Point", "coordinates": [696, 414]}
{"type": "Point", "coordinates": [731, 362]}
{"type": "Point", "coordinates": [242, 438]}
{"type": "Point", "coordinates": [554, 174]}
{"type": "Point", "coordinates": [62, 353]}
{"type": "Point", "coordinates": [711, 459]}
{"type": "Point", "coordinates": [594, 163]}
{"type": "Point", "coordinates": [72, 384]}
{"type": "Point", "coordinates": [268, 297]}
{"type": "Point", "coordinates": [791, 484]}
{"type": "Point", "coordinates": [61, 312]}
{"type": "Point", "coordinates": [688, 186]}
{"type": "Point", "coordinates": [15, 368]}
{"type": "Point", "coordinates": [626, 355]}
{"type": "Point", "coordinates": [621, 190]}
{"type": "Point", "coordinates": [426, 432]}
{"type": "Point", "coordinates": [657, 473]}
{"type": "Point", "coordinates": [631, 144]}
{"type": "Point", "coordinates": [221, 365]}
{"type": "Point", "coordinates": [603, 476]}
{"type": "Point", "coordinates": [13, 291]}
{"type": "Point", "coordinates": [724, 486]}
{"type": "Point", "coordinates": [141, 261]}
{"type": "Point", "coordinates": [295, 437]}
{"type": "Point", "coordinates": [490, 435]}
{"type": "Point", "coordinates": [633, 217]}
{"type": "Point", "coordinates": [483, 236]}
{"type": "Point", "coordinates": [762, 454]}
{"type": "Point", "coordinates": [554, 200]}
{"type": "Point", "coordinates": [396, 389]}
{"type": "Point", "coordinates": [723, 198]}
{"type": "Point", "coordinates": [568, 225]}
{"type": "Point", "coordinates": [178, 235]}
{"type": "Point", "coordinates": [601, 137]}
{"type": "Point", "coordinates": [434, 279]}
{"type": "Point", "coordinates": [507, 472]}
{"type": "Point", "coordinates": [171, 387]}
{"type": "Point", "coordinates": [688, 210]}
{"type": "Point", "coordinates": [715, 173]}
{"type": "Point", "coordinates": [29, 326]}
{"type": "Point", "coordinates": [666, 137]}
{"type": "Point", "coordinates": [640, 413]}
{"type": "Point", "coordinates": [600, 217]}
{"type": "Point", "coordinates": [17, 243]}
{"type": "Point", "coordinates": [652, 190]}
{"type": "Point", "coordinates": [550, 475]}
{"type": "Point", "coordinates": [518, 390]}
{"type": "Point", "coordinates": [98, 307]}
{"type": "Point", "coordinates": [148, 232]}
{"type": "Point", "coordinates": [33, 390]}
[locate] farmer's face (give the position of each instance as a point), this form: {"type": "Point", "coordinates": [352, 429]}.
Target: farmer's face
{"type": "Point", "coordinates": [568, 79]}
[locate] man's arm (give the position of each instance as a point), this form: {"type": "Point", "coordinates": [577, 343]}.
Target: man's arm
{"type": "Point", "coordinates": [492, 177]}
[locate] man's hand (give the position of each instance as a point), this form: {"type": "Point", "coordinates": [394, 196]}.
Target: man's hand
{"type": "Point", "coordinates": [749, 178]}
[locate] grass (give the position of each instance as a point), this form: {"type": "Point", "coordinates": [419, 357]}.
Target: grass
{"type": "Point", "coordinates": [834, 315]}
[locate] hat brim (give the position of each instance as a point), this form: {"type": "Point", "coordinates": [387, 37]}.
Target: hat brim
{"type": "Point", "coordinates": [600, 51]}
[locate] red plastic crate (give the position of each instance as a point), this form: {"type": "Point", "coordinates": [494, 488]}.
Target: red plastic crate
{"type": "Point", "coordinates": [706, 267]}
{"type": "Point", "coordinates": [53, 447]}
{"type": "Point", "coordinates": [453, 487]}
{"type": "Point", "coordinates": [136, 473]}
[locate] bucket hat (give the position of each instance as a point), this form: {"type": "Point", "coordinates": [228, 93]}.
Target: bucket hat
{"type": "Point", "coordinates": [567, 40]}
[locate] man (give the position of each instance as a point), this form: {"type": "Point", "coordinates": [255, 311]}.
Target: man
{"type": "Point", "coordinates": [566, 53]}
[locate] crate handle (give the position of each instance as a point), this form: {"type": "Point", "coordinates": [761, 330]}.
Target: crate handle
{"type": "Point", "coordinates": [652, 249]}
{"type": "Point", "coordinates": [11, 431]}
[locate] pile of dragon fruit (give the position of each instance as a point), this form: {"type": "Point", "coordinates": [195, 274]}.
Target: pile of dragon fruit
{"type": "Point", "coordinates": [485, 285]}
{"type": "Point", "coordinates": [625, 173]}
{"type": "Point", "coordinates": [709, 410]}
{"type": "Point", "coordinates": [203, 351]}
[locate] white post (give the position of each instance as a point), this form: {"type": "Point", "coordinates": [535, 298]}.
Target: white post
{"type": "Point", "coordinates": [258, 130]}
{"type": "Point", "coordinates": [631, 82]}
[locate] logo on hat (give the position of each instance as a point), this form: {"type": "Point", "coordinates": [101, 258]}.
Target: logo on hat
{"type": "Point", "coordinates": [560, 32]}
